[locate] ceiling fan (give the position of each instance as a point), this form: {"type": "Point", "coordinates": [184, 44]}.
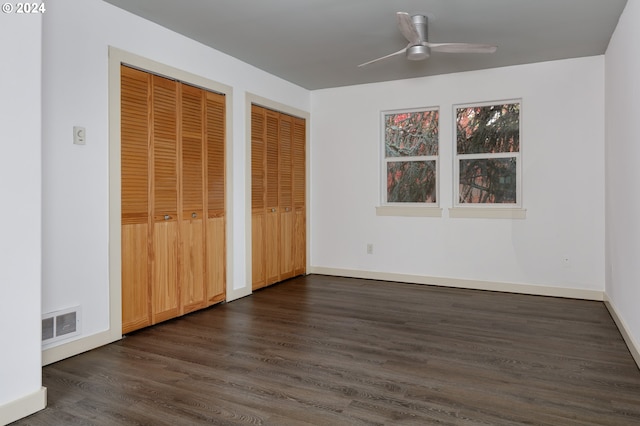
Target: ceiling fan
{"type": "Point", "coordinates": [414, 29]}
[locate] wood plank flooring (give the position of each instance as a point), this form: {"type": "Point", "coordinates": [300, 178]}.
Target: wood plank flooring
{"type": "Point", "coordinates": [320, 350]}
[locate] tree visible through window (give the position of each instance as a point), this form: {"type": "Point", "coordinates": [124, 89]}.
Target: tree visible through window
{"type": "Point", "coordinates": [410, 156]}
{"type": "Point", "coordinates": [488, 154]}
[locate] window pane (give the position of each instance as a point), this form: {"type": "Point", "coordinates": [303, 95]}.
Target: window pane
{"type": "Point", "coordinates": [488, 181]}
{"type": "Point", "coordinates": [488, 129]}
{"type": "Point", "coordinates": [411, 134]}
{"type": "Point", "coordinates": [411, 182]}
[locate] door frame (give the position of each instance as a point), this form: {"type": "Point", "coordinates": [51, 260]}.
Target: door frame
{"type": "Point", "coordinates": [253, 99]}
{"type": "Point", "coordinates": [118, 57]}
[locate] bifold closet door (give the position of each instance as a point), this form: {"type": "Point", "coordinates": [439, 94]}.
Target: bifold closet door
{"type": "Point", "coordinates": [149, 199]}
{"type": "Point", "coordinates": [215, 203]}
{"type": "Point", "coordinates": [173, 198]}
{"type": "Point", "coordinates": [192, 267]}
{"type": "Point", "coordinates": [277, 196]}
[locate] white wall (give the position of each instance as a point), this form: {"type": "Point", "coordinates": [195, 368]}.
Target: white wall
{"type": "Point", "coordinates": [563, 168]}
{"type": "Point", "coordinates": [623, 172]}
{"type": "Point", "coordinates": [76, 36]}
{"type": "Point", "coordinates": [20, 230]}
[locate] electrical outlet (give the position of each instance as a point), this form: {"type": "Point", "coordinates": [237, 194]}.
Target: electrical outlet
{"type": "Point", "coordinates": [369, 248]}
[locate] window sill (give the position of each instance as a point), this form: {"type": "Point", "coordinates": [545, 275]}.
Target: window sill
{"type": "Point", "coordinates": [408, 211]}
{"type": "Point", "coordinates": [487, 213]}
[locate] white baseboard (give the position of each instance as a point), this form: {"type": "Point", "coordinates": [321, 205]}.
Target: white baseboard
{"type": "Point", "coordinates": [633, 346]}
{"type": "Point", "coordinates": [570, 293]}
{"type": "Point", "coordinates": [23, 407]}
{"type": "Point", "coordinates": [75, 347]}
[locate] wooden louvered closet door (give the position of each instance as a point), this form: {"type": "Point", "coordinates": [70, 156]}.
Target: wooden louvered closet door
{"type": "Point", "coordinates": [135, 173]}
{"type": "Point", "coordinates": [165, 302]}
{"type": "Point", "coordinates": [272, 218]}
{"type": "Point", "coordinates": [278, 196]}
{"type": "Point", "coordinates": [192, 271]}
{"type": "Point", "coordinates": [258, 190]}
{"type": "Point", "coordinates": [298, 166]}
{"type": "Point", "coordinates": [172, 185]}
{"type": "Point", "coordinates": [286, 198]}
{"type": "Point", "coordinates": [216, 221]}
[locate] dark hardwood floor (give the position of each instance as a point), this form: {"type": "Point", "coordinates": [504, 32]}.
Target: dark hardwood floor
{"type": "Point", "coordinates": [322, 350]}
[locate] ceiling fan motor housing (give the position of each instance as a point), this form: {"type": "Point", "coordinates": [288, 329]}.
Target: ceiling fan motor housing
{"type": "Point", "coordinates": [419, 52]}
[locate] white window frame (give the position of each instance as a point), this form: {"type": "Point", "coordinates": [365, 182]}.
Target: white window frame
{"type": "Point", "coordinates": [407, 208]}
{"type": "Point", "coordinates": [487, 210]}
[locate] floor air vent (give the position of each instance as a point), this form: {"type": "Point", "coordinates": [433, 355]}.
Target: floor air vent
{"type": "Point", "coordinates": [60, 325]}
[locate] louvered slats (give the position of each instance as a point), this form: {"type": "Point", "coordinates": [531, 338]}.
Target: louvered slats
{"type": "Point", "coordinates": [165, 154]}
{"type": "Point", "coordinates": [285, 184]}
{"type": "Point", "coordinates": [272, 157]}
{"type": "Point", "coordinates": [135, 145]}
{"type": "Point", "coordinates": [298, 160]}
{"type": "Point", "coordinates": [257, 158]}
{"type": "Point", "coordinates": [192, 99]}
{"type": "Point", "coordinates": [215, 119]}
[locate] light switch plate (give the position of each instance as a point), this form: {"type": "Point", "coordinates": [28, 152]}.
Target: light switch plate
{"type": "Point", "coordinates": [79, 135]}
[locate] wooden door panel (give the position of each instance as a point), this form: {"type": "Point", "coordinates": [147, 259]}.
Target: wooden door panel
{"type": "Point", "coordinates": [258, 196]}
{"type": "Point", "coordinates": [165, 295]}
{"type": "Point", "coordinates": [136, 309]}
{"type": "Point", "coordinates": [258, 241]}
{"type": "Point", "coordinates": [299, 196]}
{"type": "Point", "coordinates": [286, 197]}
{"type": "Point", "coordinates": [192, 261]}
{"type": "Point", "coordinates": [286, 244]}
{"type": "Point", "coordinates": [215, 118]}
{"type": "Point", "coordinates": [216, 260]}
{"type": "Point", "coordinates": [192, 265]}
{"type": "Point", "coordinates": [299, 241]}
{"type": "Point", "coordinates": [272, 247]}
{"type": "Point", "coordinates": [165, 292]}
{"type": "Point", "coordinates": [134, 201]}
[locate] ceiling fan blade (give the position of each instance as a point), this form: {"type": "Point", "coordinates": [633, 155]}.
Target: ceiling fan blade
{"type": "Point", "coordinates": [461, 47]}
{"type": "Point", "coordinates": [399, 52]}
{"type": "Point", "coordinates": [408, 30]}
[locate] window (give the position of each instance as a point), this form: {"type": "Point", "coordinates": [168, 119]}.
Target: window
{"type": "Point", "coordinates": [487, 169]}
{"type": "Point", "coordinates": [410, 162]}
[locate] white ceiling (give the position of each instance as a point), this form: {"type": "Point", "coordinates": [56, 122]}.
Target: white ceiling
{"type": "Point", "coordinates": [318, 44]}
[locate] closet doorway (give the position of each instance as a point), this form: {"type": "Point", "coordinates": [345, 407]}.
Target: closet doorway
{"type": "Point", "coordinates": [278, 196]}
{"type": "Point", "coordinates": [173, 218]}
